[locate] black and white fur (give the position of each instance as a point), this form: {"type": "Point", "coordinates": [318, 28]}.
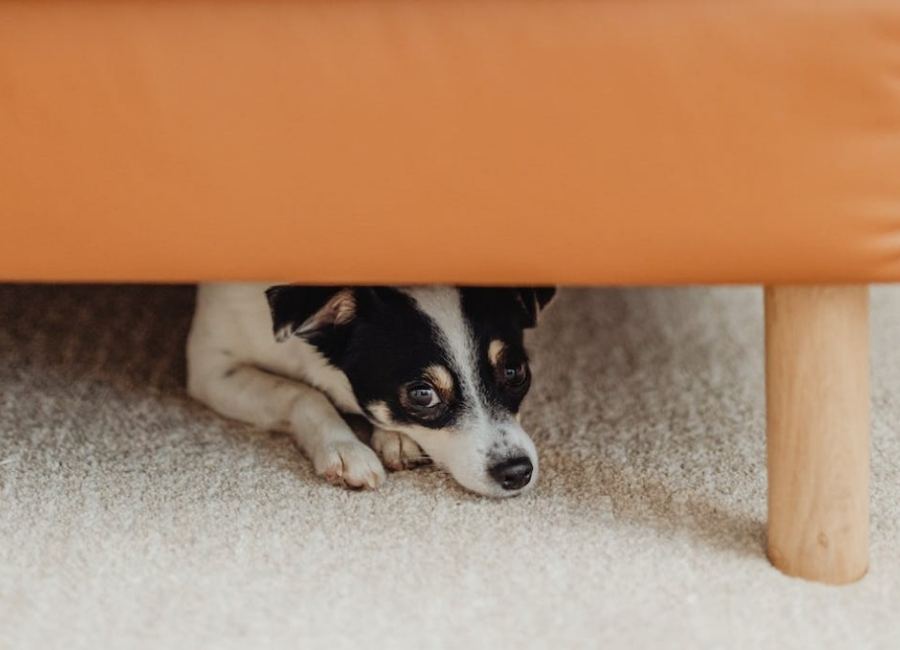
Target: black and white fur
{"type": "Point", "coordinates": [440, 373]}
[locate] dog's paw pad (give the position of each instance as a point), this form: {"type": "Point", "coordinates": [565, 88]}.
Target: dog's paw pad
{"type": "Point", "coordinates": [397, 450]}
{"type": "Point", "coordinates": [351, 464]}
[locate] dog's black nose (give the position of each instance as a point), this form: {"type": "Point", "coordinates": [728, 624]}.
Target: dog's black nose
{"type": "Point", "coordinates": [513, 474]}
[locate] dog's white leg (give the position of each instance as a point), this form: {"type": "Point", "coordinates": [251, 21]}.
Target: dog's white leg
{"type": "Point", "coordinates": [397, 450]}
{"type": "Point", "coordinates": [252, 395]}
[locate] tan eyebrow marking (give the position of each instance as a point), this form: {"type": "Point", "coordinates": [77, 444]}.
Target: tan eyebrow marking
{"type": "Point", "coordinates": [442, 380]}
{"type": "Point", "coordinates": [495, 351]}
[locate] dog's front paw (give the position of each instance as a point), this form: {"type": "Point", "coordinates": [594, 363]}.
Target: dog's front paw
{"type": "Point", "coordinates": [397, 450]}
{"type": "Point", "coordinates": [349, 463]}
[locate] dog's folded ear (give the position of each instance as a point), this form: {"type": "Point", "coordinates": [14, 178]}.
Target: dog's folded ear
{"type": "Point", "coordinates": [305, 311]}
{"type": "Point", "coordinates": [533, 300]}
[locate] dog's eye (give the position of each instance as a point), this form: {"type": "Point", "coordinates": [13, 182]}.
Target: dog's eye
{"type": "Point", "coordinates": [515, 375]}
{"type": "Point", "coordinates": [423, 395]}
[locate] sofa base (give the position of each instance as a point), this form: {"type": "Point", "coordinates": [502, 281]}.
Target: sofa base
{"type": "Point", "coordinates": [817, 393]}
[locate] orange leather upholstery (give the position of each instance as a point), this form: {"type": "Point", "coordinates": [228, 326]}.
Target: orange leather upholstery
{"type": "Point", "coordinates": [484, 141]}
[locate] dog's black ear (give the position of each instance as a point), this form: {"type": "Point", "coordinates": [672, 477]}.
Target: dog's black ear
{"type": "Point", "coordinates": [533, 300]}
{"type": "Point", "coordinates": [306, 311]}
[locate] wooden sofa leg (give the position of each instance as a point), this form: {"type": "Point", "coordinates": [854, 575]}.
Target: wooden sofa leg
{"type": "Point", "coordinates": [817, 393]}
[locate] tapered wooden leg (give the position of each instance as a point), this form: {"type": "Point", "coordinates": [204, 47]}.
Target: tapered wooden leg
{"type": "Point", "coordinates": [817, 392]}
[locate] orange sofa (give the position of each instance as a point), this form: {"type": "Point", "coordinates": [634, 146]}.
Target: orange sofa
{"type": "Point", "coordinates": [489, 141]}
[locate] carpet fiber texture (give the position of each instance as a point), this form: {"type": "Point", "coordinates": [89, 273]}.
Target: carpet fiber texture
{"type": "Point", "coordinates": [131, 517]}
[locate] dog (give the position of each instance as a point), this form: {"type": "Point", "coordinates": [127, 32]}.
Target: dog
{"type": "Point", "coordinates": [440, 372]}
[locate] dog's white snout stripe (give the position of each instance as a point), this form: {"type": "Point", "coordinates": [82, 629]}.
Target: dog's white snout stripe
{"type": "Point", "coordinates": [443, 306]}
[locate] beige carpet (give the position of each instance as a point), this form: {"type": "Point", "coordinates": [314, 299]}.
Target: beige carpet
{"type": "Point", "coordinates": [133, 518]}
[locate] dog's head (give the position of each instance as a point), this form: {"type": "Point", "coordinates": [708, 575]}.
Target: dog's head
{"type": "Point", "coordinates": [445, 366]}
